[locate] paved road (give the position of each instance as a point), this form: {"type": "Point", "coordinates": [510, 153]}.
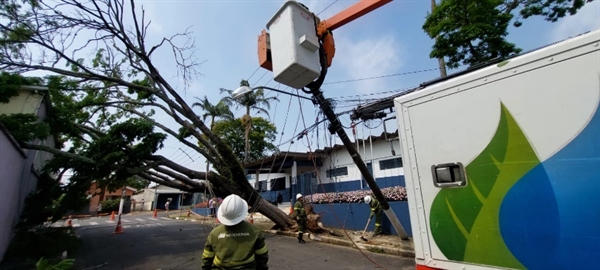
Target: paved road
{"type": "Point", "coordinates": [148, 243]}
{"type": "Point", "coordinates": [127, 220]}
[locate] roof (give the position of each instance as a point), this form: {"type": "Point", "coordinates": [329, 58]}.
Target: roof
{"type": "Point", "coordinates": [282, 160]}
{"type": "Point", "coordinates": [383, 136]}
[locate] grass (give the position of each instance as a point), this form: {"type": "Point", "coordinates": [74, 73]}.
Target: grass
{"type": "Point", "coordinates": [376, 250]}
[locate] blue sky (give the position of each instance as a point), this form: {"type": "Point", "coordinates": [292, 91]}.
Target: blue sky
{"type": "Point", "coordinates": [386, 41]}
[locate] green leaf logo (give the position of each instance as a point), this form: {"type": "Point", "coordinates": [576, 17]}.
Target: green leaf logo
{"type": "Point", "coordinates": [464, 221]}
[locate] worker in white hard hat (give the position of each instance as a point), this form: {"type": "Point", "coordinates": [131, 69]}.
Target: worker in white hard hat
{"type": "Point", "coordinates": [376, 210]}
{"type": "Point", "coordinates": [235, 244]}
{"type": "Point", "coordinates": [300, 216]}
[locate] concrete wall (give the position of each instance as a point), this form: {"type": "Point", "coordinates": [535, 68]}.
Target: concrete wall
{"type": "Point", "coordinates": [353, 216]}
{"type": "Point", "coordinates": [18, 179]}
{"type": "Point", "coordinates": [19, 168]}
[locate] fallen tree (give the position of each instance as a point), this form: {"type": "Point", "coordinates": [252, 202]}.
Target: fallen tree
{"type": "Point", "coordinates": [106, 105]}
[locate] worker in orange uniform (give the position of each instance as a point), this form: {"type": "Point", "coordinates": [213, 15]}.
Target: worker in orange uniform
{"type": "Point", "coordinates": [235, 244]}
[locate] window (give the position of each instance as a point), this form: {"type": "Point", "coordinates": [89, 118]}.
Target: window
{"type": "Point", "coordinates": [390, 163]}
{"type": "Point", "coordinates": [337, 172]}
{"type": "Point", "coordinates": [262, 186]}
{"type": "Point", "coordinates": [278, 183]}
{"type": "Point", "coordinates": [449, 175]}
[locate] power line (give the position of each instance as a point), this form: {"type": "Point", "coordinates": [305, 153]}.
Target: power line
{"type": "Point", "coordinates": [254, 72]}
{"type": "Point", "coordinates": [327, 7]}
{"type": "Point", "coordinates": [384, 76]}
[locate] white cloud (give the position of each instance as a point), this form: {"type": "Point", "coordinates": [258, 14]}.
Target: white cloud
{"type": "Point", "coordinates": [369, 58]}
{"type": "Point", "coordinates": [587, 19]}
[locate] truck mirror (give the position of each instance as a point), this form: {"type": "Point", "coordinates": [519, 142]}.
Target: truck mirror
{"type": "Point", "coordinates": [449, 175]}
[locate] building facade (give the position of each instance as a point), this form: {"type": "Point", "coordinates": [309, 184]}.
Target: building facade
{"type": "Point", "coordinates": [20, 168]}
{"type": "Point", "coordinates": [329, 169]}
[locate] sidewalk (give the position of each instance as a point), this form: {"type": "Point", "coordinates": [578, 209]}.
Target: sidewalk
{"type": "Point", "coordinates": [388, 244]}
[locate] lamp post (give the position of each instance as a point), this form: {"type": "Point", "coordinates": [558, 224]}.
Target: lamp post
{"type": "Point", "coordinates": [336, 127]}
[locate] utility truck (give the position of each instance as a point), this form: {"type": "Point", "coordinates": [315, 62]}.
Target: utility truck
{"type": "Point", "coordinates": [502, 164]}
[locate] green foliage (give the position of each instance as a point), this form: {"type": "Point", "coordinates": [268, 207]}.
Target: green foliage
{"type": "Point", "coordinates": [471, 32]}
{"type": "Point", "coordinates": [110, 205]}
{"type": "Point", "coordinates": [255, 100]}
{"type": "Point", "coordinates": [262, 135]}
{"type": "Point", "coordinates": [44, 264]}
{"type": "Point", "coordinates": [551, 10]}
{"type": "Point", "coordinates": [214, 111]}
{"type": "Point", "coordinates": [10, 84]}
{"type": "Point", "coordinates": [25, 127]}
{"type": "Point", "coordinates": [137, 182]}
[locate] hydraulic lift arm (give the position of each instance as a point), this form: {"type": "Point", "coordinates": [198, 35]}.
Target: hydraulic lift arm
{"type": "Point", "coordinates": [323, 30]}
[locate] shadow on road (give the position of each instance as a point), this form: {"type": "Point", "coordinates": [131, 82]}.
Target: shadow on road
{"type": "Point", "coordinates": [175, 245]}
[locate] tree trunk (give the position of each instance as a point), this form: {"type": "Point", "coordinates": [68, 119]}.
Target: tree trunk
{"type": "Point", "coordinates": [441, 61]}
{"type": "Point", "coordinates": [247, 140]}
{"type": "Point", "coordinates": [275, 214]}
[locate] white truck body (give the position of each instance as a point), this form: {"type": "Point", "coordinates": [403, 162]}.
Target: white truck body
{"type": "Point", "coordinates": [502, 164]}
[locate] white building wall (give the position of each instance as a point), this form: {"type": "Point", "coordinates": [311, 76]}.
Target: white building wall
{"type": "Point", "coordinates": [380, 150]}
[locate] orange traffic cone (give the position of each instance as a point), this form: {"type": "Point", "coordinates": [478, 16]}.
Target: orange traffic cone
{"type": "Point", "coordinates": [119, 228]}
{"type": "Point", "coordinates": [251, 219]}
{"type": "Point", "coordinates": [69, 222]}
{"type": "Point", "coordinates": [155, 213]}
{"type": "Point", "coordinates": [112, 216]}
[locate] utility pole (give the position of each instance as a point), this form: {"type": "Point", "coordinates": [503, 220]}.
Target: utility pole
{"type": "Point", "coordinates": [441, 61]}
{"type": "Point", "coordinates": [122, 200]}
{"type": "Point", "coordinates": [335, 126]}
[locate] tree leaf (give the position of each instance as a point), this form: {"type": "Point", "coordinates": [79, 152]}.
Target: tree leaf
{"type": "Point", "coordinates": [465, 221]}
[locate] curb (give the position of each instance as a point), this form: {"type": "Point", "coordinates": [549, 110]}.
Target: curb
{"type": "Point", "coordinates": [331, 240]}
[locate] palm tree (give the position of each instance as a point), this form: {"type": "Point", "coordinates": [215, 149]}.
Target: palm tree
{"type": "Point", "coordinates": [254, 100]}
{"type": "Point", "coordinates": [220, 110]}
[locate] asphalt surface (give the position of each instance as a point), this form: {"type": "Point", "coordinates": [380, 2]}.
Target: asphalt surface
{"type": "Point", "coordinates": [161, 243]}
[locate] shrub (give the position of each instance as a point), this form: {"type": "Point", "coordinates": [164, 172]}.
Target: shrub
{"type": "Point", "coordinates": [110, 205]}
{"type": "Point", "coordinates": [397, 193]}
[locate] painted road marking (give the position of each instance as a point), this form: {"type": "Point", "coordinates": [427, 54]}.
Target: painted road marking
{"type": "Point", "coordinates": [124, 220]}
{"type": "Point", "coordinates": [153, 218]}
{"type": "Point", "coordinates": [110, 221]}
{"type": "Point", "coordinates": [76, 225]}
{"type": "Point", "coordinates": [139, 219]}
{"type": "Point", "coordinates": [165, 218]}
{"type": "Point", "coordinates": [93, 223]}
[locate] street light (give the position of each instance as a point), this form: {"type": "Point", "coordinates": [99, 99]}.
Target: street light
{"type": "Point", "coordinates": [242, 90]}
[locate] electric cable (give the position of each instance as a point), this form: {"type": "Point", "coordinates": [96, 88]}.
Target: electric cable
{"type": "Point", "coordinates": [327, 7]}
{"type": "Point", "coordinates": [317, 172]}
{"type": "Point", "coordinates": [383, 76]}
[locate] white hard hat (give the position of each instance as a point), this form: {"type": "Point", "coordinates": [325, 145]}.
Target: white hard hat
{"type": "Point", "coordinates": [368, 199]}
{"type": "Point", "coordinates": [233, 210]}
{"type": "Point", "coordinates": [298, 196]}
